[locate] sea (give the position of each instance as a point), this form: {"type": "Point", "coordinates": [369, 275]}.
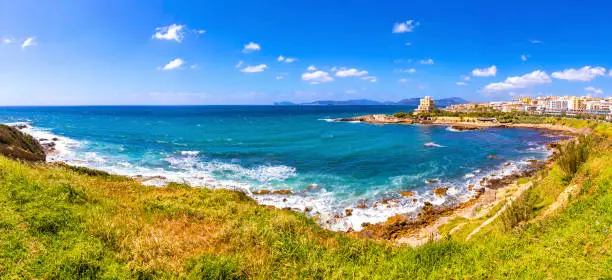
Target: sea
{"type": "Point", "coordinates": [328, 166]}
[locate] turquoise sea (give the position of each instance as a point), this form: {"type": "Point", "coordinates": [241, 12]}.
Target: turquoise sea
{"type": "Point", "coordinates": [329, 166]}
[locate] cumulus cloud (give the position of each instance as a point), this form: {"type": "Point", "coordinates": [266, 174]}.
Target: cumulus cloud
{"type": "Point", "coordinates": [465, 77]}
{"type": "Point", "coordinates": [403, 27]}
{"type": "Point", "coordinates": [593, 90]}
{"type": "Point", "coordinates": [316, 77]}
{"type": "Point", "coordinates": [251, 47]}
{"type": "Point", "coordinates": [352, 72]}
{"type": "Point", "coordinates": [171, 32]}
{"type": "Point", "coordinates": [174, 64]}
{"type": "Point", "coordinates": [583, 74]}
{"type": "Point", "coordinates": [254, 69]}
{"type": "Point", "coordinates": [371, 79]}
{"type": "Point", "coordinates": [30, 41]}
{"type": "Point", "coordinates": [485, 72]}
{"type": "Point", "coordinates": [428, 61]}
{"type": "Point", "coordinates": [524, 57]}
{"type": "Point", "coordinates": [461, 83]}
{"type": "Point", "coordinates": [312, 68]}
{"type": "Point", "coordinates": [528, 80]}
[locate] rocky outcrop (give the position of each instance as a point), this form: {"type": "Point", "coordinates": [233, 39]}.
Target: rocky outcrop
{"type": "Point", "coordinates": [379, 119]}
{"type": "Point", "coordinates": [407, 193]}
{"type": "Point", "coordinates": [465, 127]}
{"type": "Point", "coordinates": [18, 145]}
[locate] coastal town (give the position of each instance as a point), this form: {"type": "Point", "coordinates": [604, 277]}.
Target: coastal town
{"type": "Point", "coordinates": [583, 106]}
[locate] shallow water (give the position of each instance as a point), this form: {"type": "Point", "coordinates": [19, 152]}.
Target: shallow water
{"type": "Point", "coordinates": [268, 147]}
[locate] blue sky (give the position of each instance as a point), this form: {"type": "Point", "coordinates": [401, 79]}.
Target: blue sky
{"type": "Point", "coordinates": [107, 52]}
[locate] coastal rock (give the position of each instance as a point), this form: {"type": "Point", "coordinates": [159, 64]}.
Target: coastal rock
{"type": "Point", "coordinates": [507, 163]}
{"type": "Point", "coordinates": [465, 127]}
{"type": "Point", "coordinates": [378, 119]}
{"type": "Point", "coordinates": [492, 157]}
{"type": "Point", "coordinates": [407, 193]}
{"type": "Point", "coordinates": [431, 181]}
{"type": "Point", "coordinates": [361, 206]}
{"type": "Point", "coordinates": [261, 192]}
{"type": "Point", "coordinates": [348, 212]}
{"type": "Point", "coordinates": [441, 191]}
{"type": "Point", "coordinates": [282, 192]}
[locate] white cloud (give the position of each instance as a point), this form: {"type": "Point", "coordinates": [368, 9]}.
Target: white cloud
{"type": "Point", "coordinates": [371, 79]}
{"type": "Point", "coordinates": [421, 87]}
{"type": "Point", "coordinates": [174, 64]}
{"type": "Point", "coordinates": [403, 80]}
{"type": "Point", "coordinates": [610, 74]}
{"type": "Point", "coordinates": [286, 59]}
{"type": "Point", "coordinates": [280, 77]}
{"type": "Point", "coordinates": [524, 57]}
{"type": "Point", "coordinates": [428, 61]}
{"type": "Point", "coordinates": [317, 77]}
{"type": "Point", "coordinates": [485, 72]}
{"type": "Point", "coordinates": [404, 27]}
{"type": "Point", "coordinates": [344, 72]}
{"type": "Point", "coordinates": [251, 47]}
{"type": "Point", "coordinates": [465, 77]}
{"type": "Point", "coordinates": [201, 31]}
{"type": "Point", "coordinates": [411, 70]}
{"type": "Point", "coordinates": [171, 32]}
{"type": "Point", "coordinates": [350, 91]}
{"type": "Point", "coordinates": [408, 44]}
{"type": "Point", "coordinates": [583, 74]}
{"type": "Point", "coordinates": [528, 80]}
{"type": "Point", "coordinates": [312, 68]}
{"type": "Point", "coordinates": [461, 83]}
{"type": "Point", "coordinates": [254, 69]}
{"type": "Point", "coordinates": [593, 90]}
{"type": "Point", "coordinates": [30, 41]}
{"type": "Point", "coordinates": [194, 66]}
{"type": "Point", "coordinates": [6, 40]}
{"type": "Point", "coordinates": [535, 41]}
{"type": "Point", "coordinates": [239, 64]}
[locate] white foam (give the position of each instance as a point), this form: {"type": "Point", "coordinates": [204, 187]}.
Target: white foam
{"type": "Point", "coordinates": [432, 144]}
{"type": "Point", "coordinates": [190, 153]}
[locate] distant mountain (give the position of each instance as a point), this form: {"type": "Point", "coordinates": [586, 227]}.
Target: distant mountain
{"type": "Point", "coordinates": [404, 102]}
{"type": "Point", "coordinates": [343, 103]}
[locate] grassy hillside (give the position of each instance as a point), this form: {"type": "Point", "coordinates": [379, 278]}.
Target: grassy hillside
{"type": "Point", "coordinates": [61, 222]}
{"type": "Point", "coordinates": [17, 145]}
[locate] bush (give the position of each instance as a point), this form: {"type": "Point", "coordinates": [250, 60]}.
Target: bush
{"type": "Point", "coordinates": [573, 154]}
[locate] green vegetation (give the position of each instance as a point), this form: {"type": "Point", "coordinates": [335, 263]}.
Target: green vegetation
{"type": "Point", "coordinates": [17, 145]}
{"type": "Point", "coordinates": [61, 222]}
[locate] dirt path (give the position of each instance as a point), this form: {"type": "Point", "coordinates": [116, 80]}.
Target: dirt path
{"type": "Point", "coordinates": [560, 202]}
{"type": "Point", "coordinates": [522, 188]}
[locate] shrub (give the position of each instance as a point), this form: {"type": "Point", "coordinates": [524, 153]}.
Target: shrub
{"type": "Point", "coordinates": [573, 154]}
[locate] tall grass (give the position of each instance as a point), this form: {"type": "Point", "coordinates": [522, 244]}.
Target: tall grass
{"type": "Point", "coordinates": [573, 154]}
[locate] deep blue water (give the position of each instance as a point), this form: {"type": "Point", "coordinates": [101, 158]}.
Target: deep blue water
{"type": "Point", "coordinates": [269, 147]}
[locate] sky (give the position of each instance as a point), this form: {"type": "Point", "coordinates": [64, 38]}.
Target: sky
{"type": "Point", "coordinates": [120, 52]}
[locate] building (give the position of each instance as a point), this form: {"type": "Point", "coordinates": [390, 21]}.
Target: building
{"type": "Point", "coordinates": [426, 105]}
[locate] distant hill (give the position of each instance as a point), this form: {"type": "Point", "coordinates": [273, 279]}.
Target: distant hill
{"type": "Point", "coordinates": [404, 102]}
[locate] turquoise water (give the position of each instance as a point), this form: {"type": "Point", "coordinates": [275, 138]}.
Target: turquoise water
{"type": "Point", "coordinates": [266, 147]}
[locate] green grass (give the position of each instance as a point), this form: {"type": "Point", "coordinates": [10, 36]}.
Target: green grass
{"type": "Point", "coordinates": [61, 222]}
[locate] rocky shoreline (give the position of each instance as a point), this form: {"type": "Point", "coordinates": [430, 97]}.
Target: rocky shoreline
{"type": "Point", "coordinates": [461, 124]}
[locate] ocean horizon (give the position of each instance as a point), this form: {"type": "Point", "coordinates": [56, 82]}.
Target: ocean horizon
{"type": "Point", "coordinates": [328, 166]}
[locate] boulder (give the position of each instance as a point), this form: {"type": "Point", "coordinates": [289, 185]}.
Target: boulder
{"type": "Point", "coordinates": [441, 191]}
{"type": "Point", "coordinates": [348, 212]}
{"type": "Point", "coordinates": [407, 193]}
